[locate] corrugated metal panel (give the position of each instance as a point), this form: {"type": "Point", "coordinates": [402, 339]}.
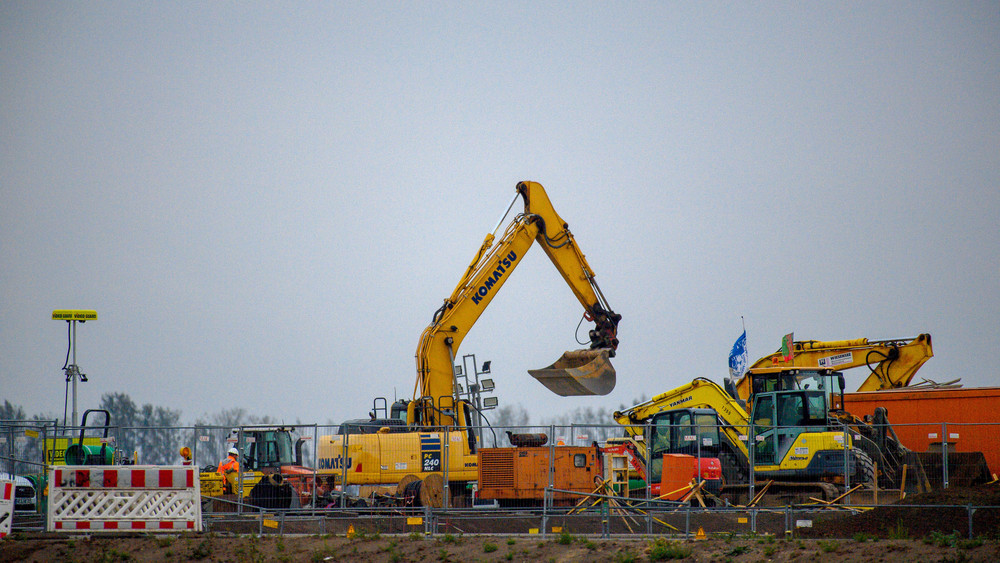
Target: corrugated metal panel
{"type": "Point", "coordinates": [496, 468]}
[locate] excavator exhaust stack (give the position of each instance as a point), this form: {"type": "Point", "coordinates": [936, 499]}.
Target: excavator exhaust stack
{"type": "Point", "coordinates": [579, 372]}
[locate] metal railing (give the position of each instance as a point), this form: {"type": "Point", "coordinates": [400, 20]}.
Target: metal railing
{"type": "Point", "coordinates": [939, 456]}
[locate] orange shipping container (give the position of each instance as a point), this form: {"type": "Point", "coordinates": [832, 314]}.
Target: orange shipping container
{"type": "Point", "coordinates": [967, 418]}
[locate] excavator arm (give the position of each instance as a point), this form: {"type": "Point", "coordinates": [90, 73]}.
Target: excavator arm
{"type": "Point", "coordinates": [701, 393]}
{"type": "Point", "coordinates": [891, 363]}
{"type": "Point", "coordinates": [584, 372]}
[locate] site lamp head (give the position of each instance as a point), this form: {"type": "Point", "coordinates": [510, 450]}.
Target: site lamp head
{"type": "Point", "coordinates": [487, 384]}
{"type": "Point", "coordinates": [490, 403]}
{"type": "Point", "coordinates": [458, 369]}
{"type": "Point", "coordinates": [82, 315]}
{"type": "Point", "coordinates": [486, 367]}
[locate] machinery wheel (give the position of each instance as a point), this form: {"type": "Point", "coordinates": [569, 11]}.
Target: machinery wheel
{"type": "Point", "coordinates": [267, 494]}
{"type": "Point", "coordinates": [864, 468]}
{"type": "Point", "coordinates": [732, 473]}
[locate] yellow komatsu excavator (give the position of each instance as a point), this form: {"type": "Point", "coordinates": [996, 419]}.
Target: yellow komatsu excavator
{"type": "Point", "coordinates": [891, 363]}
{"type": "Point", "coordinates": [436, 421]}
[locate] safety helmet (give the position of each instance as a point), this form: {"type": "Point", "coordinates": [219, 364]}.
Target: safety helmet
{"type": "Point", "coordinates": [234, 451]}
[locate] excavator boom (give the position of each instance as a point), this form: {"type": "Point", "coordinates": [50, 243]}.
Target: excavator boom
{"type": "Point", "coordinates": [891, 363]}
{"type": "Point", "coordinates": [581, 372]}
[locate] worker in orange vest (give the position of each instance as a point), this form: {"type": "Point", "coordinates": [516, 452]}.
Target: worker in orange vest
{"type": "Point", "coordinates": [227, 467]}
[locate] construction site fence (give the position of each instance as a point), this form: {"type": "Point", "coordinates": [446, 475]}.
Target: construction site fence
{"type": "Point", "coordinates": [682, 522]}
{"type": "Point", "coordinates": [940, 456]}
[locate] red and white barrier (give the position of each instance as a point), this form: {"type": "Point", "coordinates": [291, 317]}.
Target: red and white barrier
{"type": "Point", "coordinates": [6, 506]}
{"type": "Point", "coordinates": [124, 498]}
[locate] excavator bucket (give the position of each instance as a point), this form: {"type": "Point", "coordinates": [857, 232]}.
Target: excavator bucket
{"type": "Point", "coordinates": [579, 372]}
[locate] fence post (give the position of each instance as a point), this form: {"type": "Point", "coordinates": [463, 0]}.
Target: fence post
{"type": "Point", "coordinates": [944, 454]}
{"type": "Point", "coordinates": [847, 471]}
{"type": "Point", "coordinates": [752, 454]}
{"type": "Point", "coordinates": [444, 469]}
{"type": "Point", "coordinates": [343, 467]}
{"type": "Point", "coordinates": [547, 497]}
{"type": "Point", "coordinates": [648, 439]}
{"type": "Point", "coordinates": [687, 521]}
{"type": "Point", "coordinates": [239, 472]}
{"type": "Point", "coordinates": [315, 464]}
{"type": "Point", "coordinates": [971, 512]}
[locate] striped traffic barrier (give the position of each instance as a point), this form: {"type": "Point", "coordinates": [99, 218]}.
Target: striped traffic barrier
{"type": "Point", "coordinates": [6, 506]}
{"type": "Point", "coordinates": [124, 498]}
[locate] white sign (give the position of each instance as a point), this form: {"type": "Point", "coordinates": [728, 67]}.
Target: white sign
{"type": "Point", "coordinates": [744, 437]}
{"type": "Point", "coordinates": [932, 436]}
{"type": "Point", "coordinates": [690, 438]}
{"type": "Point", "coordinates": [801, 451]}
{"type": "Point", "coordinates": [203, 438]}
{"type": "Point", "coordinates": [803, 523]}
{"type": "Point", "coordinates": [833, 361]}
{"type": "Point", "coordinates": [953, 436]}
{"type": "Point", "coordinates": [400, 466]}
{"type": "Point", "coordinates": [706, 441]}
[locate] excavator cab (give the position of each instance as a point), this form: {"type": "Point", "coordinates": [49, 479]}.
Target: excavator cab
{"type": "Point", "coordinates": [789, 403]}
{"type": "Point", "coordinates": [579, 372]}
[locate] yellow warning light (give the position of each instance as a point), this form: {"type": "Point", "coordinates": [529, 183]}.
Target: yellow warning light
{"type": "Point", "coordinates": [82, 315]}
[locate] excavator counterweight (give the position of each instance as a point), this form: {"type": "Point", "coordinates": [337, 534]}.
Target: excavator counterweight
{"type": "Point", "coordinates": [579, 372]}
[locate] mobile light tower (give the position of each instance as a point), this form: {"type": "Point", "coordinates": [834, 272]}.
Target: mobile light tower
{"type": "Point", "coordinates": [73, 373]}
{"type": "Point", "coordinates": [475, 387]}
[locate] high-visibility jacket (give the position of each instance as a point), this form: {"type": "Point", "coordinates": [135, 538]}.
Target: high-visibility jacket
{"type": "Point", "coordinates": [228, 464]}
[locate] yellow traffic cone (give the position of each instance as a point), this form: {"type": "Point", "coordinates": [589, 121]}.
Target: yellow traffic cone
{"type": "Point", "coordinates": [701, 534]}
{"type": "Point", "coordinates": [350, 531]}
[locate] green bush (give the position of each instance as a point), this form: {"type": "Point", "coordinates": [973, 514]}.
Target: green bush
{"type": "Point", "coordinates": [828, 546]}
{"type": "Point", "coordinates": [662, 550]}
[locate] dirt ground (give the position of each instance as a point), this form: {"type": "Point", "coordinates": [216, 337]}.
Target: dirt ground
{"type": "Point", "coordinates": [464, 549]}
{"type": "Point", "coordinates": [899, 532]}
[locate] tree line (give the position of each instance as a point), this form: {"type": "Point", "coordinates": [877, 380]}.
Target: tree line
{"type": "Point", "coordinates": [154, 435]}
{"type": "Point", "coordinates": [149, 434]}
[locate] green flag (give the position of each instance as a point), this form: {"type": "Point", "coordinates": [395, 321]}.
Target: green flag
{"type": "Point", "coordinates": [787, 349]}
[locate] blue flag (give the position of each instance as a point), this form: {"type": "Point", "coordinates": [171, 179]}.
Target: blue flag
{"type": "Point", "coordinates": [738, 357]}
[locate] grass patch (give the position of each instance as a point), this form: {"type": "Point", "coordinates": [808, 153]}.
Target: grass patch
{"type": "Point", "coordinates": [663, 550]}
{"type": "Point", "coordinates": [898, 532]}
{"type": "Point", "coordinates": [828, 546]}
{"type": "Point", "coordinates": [202, 550]}
{"type": "Point", "coordinates": [737, 551]}
{"type": "Point", "coordinates": [941, 540]}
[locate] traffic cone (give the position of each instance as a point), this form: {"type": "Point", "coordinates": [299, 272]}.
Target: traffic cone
{"type": "Point", "coordinates": [701, 534]}
{"type": "Point", "coordinates": [350, 531]}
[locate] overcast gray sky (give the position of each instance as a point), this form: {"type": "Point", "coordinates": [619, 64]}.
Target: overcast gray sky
{"type": "Point", "coordinates": [266, 202]}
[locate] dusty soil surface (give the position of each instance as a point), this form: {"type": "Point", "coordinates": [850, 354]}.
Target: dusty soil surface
{"type": "Point", "coordinates": [464, 549]}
